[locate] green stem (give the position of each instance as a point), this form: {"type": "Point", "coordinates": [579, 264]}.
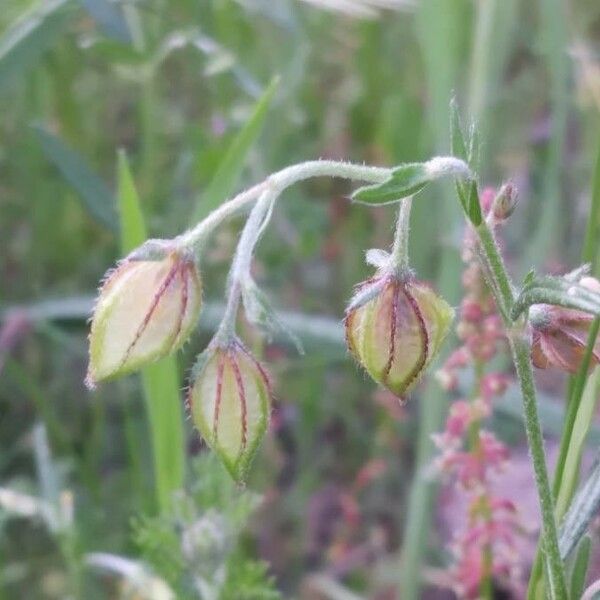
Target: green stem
{"type": "Point", "coordinates": [501, 288]}
{"type": "Point", "coordinates": [521, 355]}
{"type": "Point", "coordinates": [240, 267]}
{"type": "Point", "coordinates": [276, 183]}
{"type": "Point", "coordinates": [399, 256]}
{"type": "Point", "coordinates": [563, 492]}
{"type": "Point", "coordinates": [520, 349]}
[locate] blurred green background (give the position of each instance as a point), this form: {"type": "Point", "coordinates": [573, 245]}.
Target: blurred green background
{"type": "Point", "coordinates": [180, 85]}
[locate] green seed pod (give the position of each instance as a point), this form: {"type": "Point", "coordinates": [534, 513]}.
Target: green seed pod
{"type": "Point", "coordinates": [394, 328]}
{"type": "Point", "coordinates": [146, 310]}
{"type": "Point", "coordinates": [230, 403]}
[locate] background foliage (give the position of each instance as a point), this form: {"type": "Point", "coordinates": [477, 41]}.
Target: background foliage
{"type": "Point", "coordinates": [180, 87]}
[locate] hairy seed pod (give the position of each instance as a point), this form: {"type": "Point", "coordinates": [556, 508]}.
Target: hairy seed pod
{"type": "Point", "coordinates": [230, 403]}
{"type": "Point", "coordinates": [395, 329]}
{"type": "Point", "coordinates": [146, 310]}
{"type": "Point", "coordinates": [560, 337]}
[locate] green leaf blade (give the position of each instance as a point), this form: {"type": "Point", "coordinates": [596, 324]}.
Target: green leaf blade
{"type": "Point", "coordinates": [160, 380]}
{"type": "Point", "coordinates": [23, 44]}
{"type": "Point", "coordinates": [96, 198]}
{"type": "Point", "coordinates": [409, 179]}
{"type": "Point", "coordinates": [133, 228]}
{"type": "Point", "coordinates": [406, 180]}
{"type": "Point", "coordinates": [232, 164]}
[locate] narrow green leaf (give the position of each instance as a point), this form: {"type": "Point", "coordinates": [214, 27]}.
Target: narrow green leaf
{"type": "Point", "coordinates": [529, 278]}
{"type": "Point", "coordinates": [564, 483]}
{"type": "Point", "coordinates": [585, 412]}
{"type": "Point", "coordinates": [590, 245]}
{"type": "Point", "coordinates": [25, 42]}
{"type": "Point", "coordinates": [457, 137]}
{"type": "Point", "coordinates": [109, 16]}
{"type": "Point", "coordinates": [97, 199]}
{"type": "Point", "coordinates": [409, 179]}
{"type": "Point", "coordinates": [230, 168]}
{"type": "Point", "coordinates": [165, 414]}
{"type": "Point", "coordinates": [160, 380]}
{"type": "Point", "coordinates": [473, 204]}
{"type": "Point", "coordinates": [581, 513]}
{"type": "Point", "coordinates": [133, 229]}
{"type": "Point", "coordinates": [580, 567]}
{"type": "Point", "coordinates": [406, 180]}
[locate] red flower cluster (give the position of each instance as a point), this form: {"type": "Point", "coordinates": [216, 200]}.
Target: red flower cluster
{"type": "Point", "coordinates": [485, 550]}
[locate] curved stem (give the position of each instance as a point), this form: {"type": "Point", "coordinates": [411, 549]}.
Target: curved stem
{"type": "Point", "coordinates": [399, 255]}
{"type": "Point", "coordinates": [240, 267]}
{"type": "Point", "coordinates": [502, 287]}
{"type": "Point", "coordinates": [278, 182]}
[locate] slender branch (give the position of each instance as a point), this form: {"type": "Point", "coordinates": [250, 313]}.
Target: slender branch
{"type": "Point", "coordinates": [242, 261]}
{"type": "Point", "coordinates": [399, 256]}
{"type": "Point", "coordinates": [521, 356]}
{"type": "Point", "coordinates": [502, 288]}
{"type": "Point", "coordinates": [278, 182]}
{"type": "Point", "coordinates": [520, 349]}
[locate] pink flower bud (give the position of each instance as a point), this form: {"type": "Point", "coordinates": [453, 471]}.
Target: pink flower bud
{"type": "Point", "coordinates": [505, 202]}
{"type": "Point", "coordinates": [471, 310]}
{"type": "Point", "coordinates": [230, 403]}
{"type": "Point", "coordinates": [146, 310]}
{"type": "Point", "coordinates": [397, 330]}
{"type": "Point", "coordinates": [560, 338]}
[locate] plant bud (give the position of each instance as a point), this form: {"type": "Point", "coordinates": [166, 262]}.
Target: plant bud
{"type": "Point", "coordinates": [505, 202]}
{"type": "Point", "coordinates": [395, 329]}
{"type": "Point", "coordinates": [560, 337]}
{"type": "Point", "coordinates": [146, 309]}
{"type": "Point", "coordinates": [230, 403]}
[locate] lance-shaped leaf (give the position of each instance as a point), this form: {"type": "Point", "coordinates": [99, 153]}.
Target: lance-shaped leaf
{"type": "Point", "coordinates": [95, 196]}
{"type": "Point", "coordinates": [409, 179]}
{"type": "Point", "coordinates": [458, 142]}
{"type": "Point", "coordinates": [261, 313]}
{"type": "Point", "coordinates": [580, 567]}
{"type": "Point", "coordinates": [581, 513]}
{"type": "Point", "coordinates": [24, 43]}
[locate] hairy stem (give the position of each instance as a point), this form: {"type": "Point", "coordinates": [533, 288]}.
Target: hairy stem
{"type": "Point", "coordinates": [242, 261]}
{"type": "Point", "coordinates": [399, 256]}
{"type": "Point", "coordinates": [278, 182]}
{"type": "Point", "coordinates": [520, 349]}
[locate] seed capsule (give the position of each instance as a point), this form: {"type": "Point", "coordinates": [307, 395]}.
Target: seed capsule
{"type": "Point", "coordinates": [230, 403]}
{"type": "Point", "coordinates": [396, 331]}
{"type": "Point", "coordinates": [146, 309]}
{"type": "Point", "coordinates": [559, 338]}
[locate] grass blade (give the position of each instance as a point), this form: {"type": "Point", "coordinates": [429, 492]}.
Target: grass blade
{"type": "Point", "coordinates": [590, 244]}
{"type": "Point", "coordinates": [581, 387]}
{"type": "Point", "coordinates": [24, 43]}
{"type": "Point", "coordinates": [160, 380]}
{"type": "Point", "coordinates": [97, 199]}
{"type": "Point", "coordinates": [133, 227]}
{"type": "Point", "coordinates": [230, 168]}
{"type": "Point", "coordinates": [581, 513]}
{"type": "Point", "coordinates": [554, 44]}
{"type": "Point", "coordinates": [580, 567]}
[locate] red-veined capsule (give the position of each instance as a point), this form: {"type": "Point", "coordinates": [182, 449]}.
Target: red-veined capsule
{"type": "Point", "coordinates": [560, 337]}
{"type": "Point", "coordinates": [394, 328]}
{"type": "Point", "coordinates": [230, 403]}
{"type": "Point", "coordinates": [146, 309]}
